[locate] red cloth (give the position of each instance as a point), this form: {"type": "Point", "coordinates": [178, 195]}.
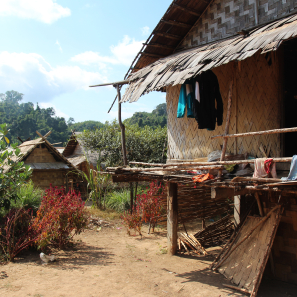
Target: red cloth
{"type": "Point", "coordinates": [267, 166]}
{"type": "Point", "coordinates": [202, 177]}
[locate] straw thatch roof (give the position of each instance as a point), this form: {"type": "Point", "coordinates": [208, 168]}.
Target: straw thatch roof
{"type": "Point", "coordinates": [179, 18]}
{"type": "Point", "coordinates": [76, 152]}
{"type": "Point", "coordinates": [27, 148]}
{"type": "Point", "coordinates": [177, 68]}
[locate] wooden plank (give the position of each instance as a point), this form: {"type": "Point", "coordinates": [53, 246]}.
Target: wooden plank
{"type": "Point", "coordinates": [175, 23]}
{"type": "Point", "coordinates": [172, 211]}
{"type": "Point", "coordinates": [218, 193]}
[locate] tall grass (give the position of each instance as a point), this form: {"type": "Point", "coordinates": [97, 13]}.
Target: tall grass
{"type": "Point", "coordinates": [118, 200]}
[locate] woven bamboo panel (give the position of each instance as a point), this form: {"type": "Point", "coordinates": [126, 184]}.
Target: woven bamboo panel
{"type": "Point", "coordinates": [255, 107]}
{"type": "Point", "coordinates": [43, 179]}
{"type": "Point", "coordinates": [40, 155]}
{"type": "Point", "coordinates": [284, 248]}
{"type": "Point", "coordinates": [245, 263]}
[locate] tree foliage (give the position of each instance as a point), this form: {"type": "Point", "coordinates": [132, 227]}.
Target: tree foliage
{"type": "Point", "coordinates": [23, 119]}
{"type": "Point", "coordinates": [143, 144]}
{"type": "Point", "coordinates": [158, 117]}
{"type": "Point", "coordinates": [86, 125]}
{"type": "Point", "coordinates": [18, 173]}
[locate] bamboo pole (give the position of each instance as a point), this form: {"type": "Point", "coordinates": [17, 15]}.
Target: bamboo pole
{"type": "Point", "coordinates": [172, 218]}
{"type": "Point", "coordinates": [238, 289]}
{"type": "Point", "coordinates": [122, 126]}
{"type": "Point", "coordinates": [274, 131]}
{"type": "Point", "coordinates": [227, 118]}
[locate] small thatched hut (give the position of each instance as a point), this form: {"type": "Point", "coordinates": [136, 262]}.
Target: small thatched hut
{"type": "Point", "coordinates": [48, 165]}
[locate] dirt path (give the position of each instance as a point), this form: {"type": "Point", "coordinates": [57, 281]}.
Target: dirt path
{"type": "Point", "coordinates": [111, 263]}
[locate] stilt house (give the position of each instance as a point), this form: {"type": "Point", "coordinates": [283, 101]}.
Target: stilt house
{"type": "Point", "coordinates": [251, 48]}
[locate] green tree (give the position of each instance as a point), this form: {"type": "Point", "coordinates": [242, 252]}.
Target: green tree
{"type": "Point", "coordinates": [12, 173]}
{"type": "Point", "coordinates": [143, 143]}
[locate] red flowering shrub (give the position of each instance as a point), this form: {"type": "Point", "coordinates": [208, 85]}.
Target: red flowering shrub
{"type": "Point", "coordinates": [59, 218]}
{"type": "Point", "coordinates": [148, 208]}
{"type": "Point", "coordinates": [16, 233]}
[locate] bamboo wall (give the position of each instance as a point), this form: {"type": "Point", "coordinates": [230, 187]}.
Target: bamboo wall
{"type": "Point", "coordinates": [255, 107]}
{"type": "Point", "coordinates": [43, 179]}
{"type": "Point", "coordinates": [40, 155]}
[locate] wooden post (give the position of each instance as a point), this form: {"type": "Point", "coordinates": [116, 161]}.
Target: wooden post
{"type": "Point", "coordinates": [122, 126]}
{"type": "Point", "coordinates": [227, 119]}
{"type": "Point", "coordinates": [172, 210]}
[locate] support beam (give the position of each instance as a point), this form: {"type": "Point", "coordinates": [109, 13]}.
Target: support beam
{"type": "Point", "coordinates": [152, 55]}
{"type": "Point", "coordinates": [172, 211]}
{"type": "Point", "coordinates": [219, 193]}
{"type": "Point", "coordinates": [122, 126]}
{"type": "Point", "coordinates": [167, 35]}
{"type": "Point", "coordinates": [187, 9]}
{"type": "Point", "coordinates": [154, 44]}
{"type": "Point", "coordinates": [178, 24]}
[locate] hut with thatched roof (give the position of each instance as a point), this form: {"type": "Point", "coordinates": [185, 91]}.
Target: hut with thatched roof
{"type": "Point", "coordinates": [48, 165]}
{"type": "Point", "coordinates": [240, 58]}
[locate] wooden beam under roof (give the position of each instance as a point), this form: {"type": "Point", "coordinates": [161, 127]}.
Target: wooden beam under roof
{"type": "Point", "coordinates": [152, 55]}
{"type": "Point", "coordinates": [167, 35]}
{"type": "Point", "coordinates": [187, 9]}
{"type": "Point", "coordinates": [175, 23]}
{"type": "Point", "coordinates": [154, 44]}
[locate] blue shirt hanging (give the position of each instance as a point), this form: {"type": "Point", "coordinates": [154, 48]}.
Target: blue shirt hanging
{"type": "Point", "coordinates": [186, 98]}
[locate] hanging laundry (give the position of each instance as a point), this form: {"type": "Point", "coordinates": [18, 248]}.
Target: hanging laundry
{"type": "Point", "coordinates": [264, 168]}
{"type": "Point", "coordinates": [205, 111]}
{"type": "Point", "coordinates": [197, 91]}
{"type": "Point", "coordinates": [293, 170]}
{"type": "Point", "coordinates": [185, 99]}
{"type": "Point", "coordinates": [202, 177]}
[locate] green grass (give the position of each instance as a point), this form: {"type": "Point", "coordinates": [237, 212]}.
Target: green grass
{"type": "Point", "coordinates": [118, 200]}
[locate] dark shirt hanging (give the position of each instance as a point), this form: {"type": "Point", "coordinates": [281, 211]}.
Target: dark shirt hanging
{"type": "Point", "coordinates": [205, 111]}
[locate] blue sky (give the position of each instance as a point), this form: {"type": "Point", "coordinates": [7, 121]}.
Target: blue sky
{"type": "Point", "coordinates": [51, 51]}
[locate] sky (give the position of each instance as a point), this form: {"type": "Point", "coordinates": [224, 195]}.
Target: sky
{"type": "Point", "coordinates": [53, 50]}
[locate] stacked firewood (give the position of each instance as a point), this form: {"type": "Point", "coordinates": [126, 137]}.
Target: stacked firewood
{"type": "Point", "coordinates": [213, 235]}
{"type": "Point", "coordinates": [216, 233]}
{"type": "Point", "coordinates": [189, 243]}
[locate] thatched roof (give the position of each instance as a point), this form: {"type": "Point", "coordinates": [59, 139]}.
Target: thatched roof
{"type": "Point", "coordinates": [177, 68]}
{"type": "Point", "coordinates": [179, 18]}
{"type": "Point", "coordinates": [77, 157]}
{"type": "Point", "coordinates": [28, 146]}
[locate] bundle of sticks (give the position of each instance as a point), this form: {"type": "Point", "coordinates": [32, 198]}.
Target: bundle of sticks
{"type": "Point", "coordinates": [216, 233]}
{"type": "Point", "coordinates": [189, 243]}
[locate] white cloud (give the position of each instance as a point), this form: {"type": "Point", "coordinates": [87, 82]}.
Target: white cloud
{"type": "Point", "coordinates": [59, 46]}
{"type": "Point", "coordinates": [122, 54]}
{"type": "Point", "coordinates": [145, 30]}
{"type": "Point", "coordinates": [46, 11]}
{"type": "Point", "coordinates": [58, 112]}
{"type": "Point", "coordinates": [31, 75]}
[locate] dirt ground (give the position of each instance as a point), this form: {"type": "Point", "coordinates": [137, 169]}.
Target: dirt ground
{"type": "Point", "coordinates": [108, 262]}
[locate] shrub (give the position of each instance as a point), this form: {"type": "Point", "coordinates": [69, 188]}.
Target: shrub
{"type": "Point", "coordinates": [16, 233]}
{"type": "Point", "coordinates": [147, 208]}
{"type": "Point", "coordinates": [28, 197]}
{"type": "Point", "coordinates": [59, 218]}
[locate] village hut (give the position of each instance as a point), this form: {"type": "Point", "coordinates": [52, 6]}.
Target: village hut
{"type": "Point", "coordinates": [250, 49]}
{"type": "Point", "coordinates": [80, 156]}
{"type": "Point", "coordinates": [48, 165]}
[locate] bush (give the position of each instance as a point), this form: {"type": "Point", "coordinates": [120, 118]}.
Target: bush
{"type": "Point", "coordinates": [28, 197]}
{"type": "Point", "coordinates": [148, 208]}
{"type": "Point", "coordinates": [59, 218]}
{"type": "Point", "coordinates": [16, 233]}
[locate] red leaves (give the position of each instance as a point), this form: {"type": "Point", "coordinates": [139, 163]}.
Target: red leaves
{"type": "Point", "coordinates": [59, 218]}
{"type": "Point", "coordinates": [148, 208]}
